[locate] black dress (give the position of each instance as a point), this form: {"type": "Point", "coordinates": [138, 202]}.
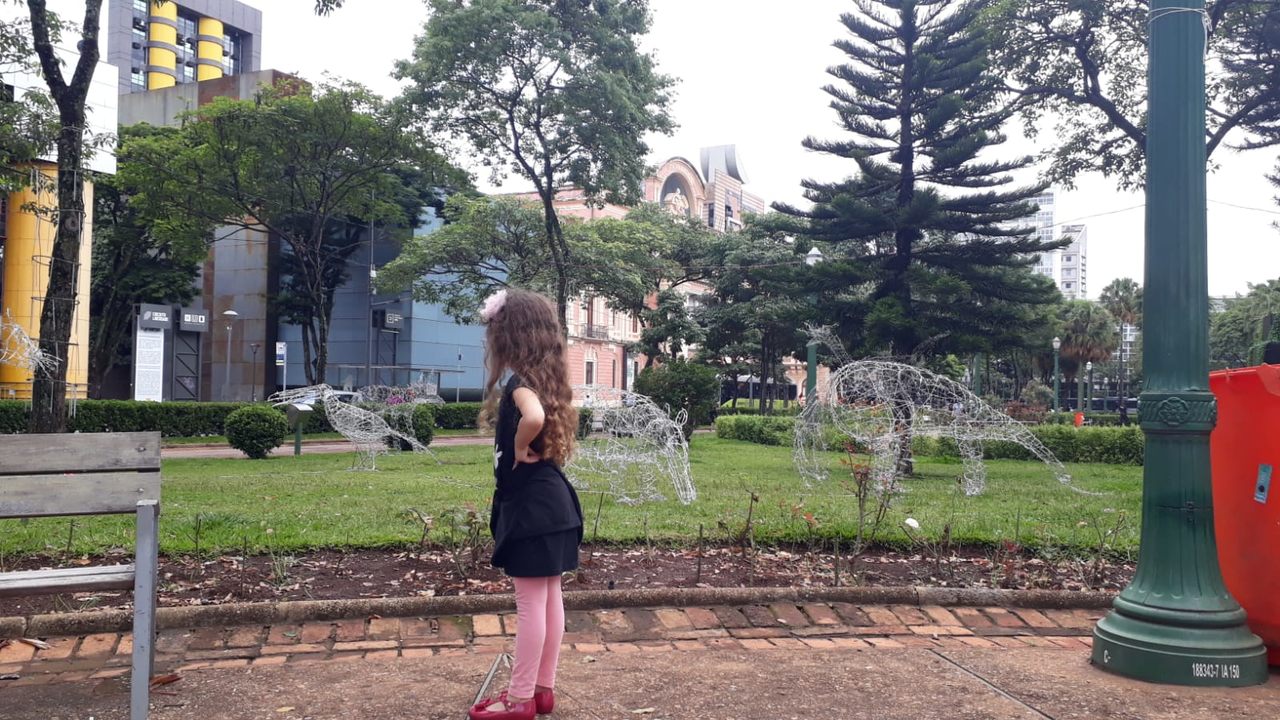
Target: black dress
{"type": "Point", "coordinates": [536, 518]}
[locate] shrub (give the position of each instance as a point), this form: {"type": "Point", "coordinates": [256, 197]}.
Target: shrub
{"type": "Point", "coordinates": [457, 416]}
{"type": "Point", "coordinates": [14, 416]}
{"type": "Point", "coordinates": [256, 430]}
{"type": "Point", "coordinates": [584, 422]}
{"type": "Point", "coordinates": [424, 422]}
{"type": "Point", "coordinates": [681, 385]}
{"type": "Point", "coordinates": [1110, 445]}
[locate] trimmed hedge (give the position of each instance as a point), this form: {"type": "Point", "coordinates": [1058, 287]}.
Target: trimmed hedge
{"type": "Point", "coordinates": [778, 410]}
{"type": "Point", "coordinates": [171, 419]}
{"type": "Point", "coordinates": [424, 423]}
{"type": "Point", "coordinates": [1110, 445]}
{"type": "Point", "coordinates": [457, 416]}
{"type": "Point", "coordinates": [256, 430]}
{"type": "Point", "coordinates": [1095, 419]}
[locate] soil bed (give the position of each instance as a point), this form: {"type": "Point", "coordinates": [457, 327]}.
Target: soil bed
{"type": "Point", "coordinates": [329, 574]}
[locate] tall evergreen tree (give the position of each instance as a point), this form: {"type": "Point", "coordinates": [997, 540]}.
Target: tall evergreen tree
{"type": "Point", "coordinates": [931, 217]}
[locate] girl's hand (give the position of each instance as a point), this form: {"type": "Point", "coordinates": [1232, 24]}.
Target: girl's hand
{"type": "Point", "coordinates": [525, 455]}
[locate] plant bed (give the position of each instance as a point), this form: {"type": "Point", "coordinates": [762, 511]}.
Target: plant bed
{"type": "Point", "coordinates": [330, 574]}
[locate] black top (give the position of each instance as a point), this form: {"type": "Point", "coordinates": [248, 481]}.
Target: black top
{"type": "Point", "coordinates": [529, 499]}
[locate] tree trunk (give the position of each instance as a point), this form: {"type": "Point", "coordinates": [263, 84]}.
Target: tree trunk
{"type": "Point", "coordinates": [559, 253]}
{"type": "Point", "coordinates": [49, 387]}
{"type": "Point", "coordinates": [308, 368]}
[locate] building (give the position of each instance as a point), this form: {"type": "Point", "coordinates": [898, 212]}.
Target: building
{"type": "Point", "coordinates": [1073, 275]}
{"type": "Point", "coordinates": [1046, 263]}
{"type": "Point", "coordinates": [27, 237]}
{"type": "Point", "coordinates": [157, 46]}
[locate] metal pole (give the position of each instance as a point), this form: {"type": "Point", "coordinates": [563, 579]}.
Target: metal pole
{"type": "Point", "coordinates": [1176, 622]}
{"type": "Point", "coordinates": [1057, 388]}
{"type": "Point", "coordinates": [253, 375]}
{"type": "Point", "coordinates": [811, 379]}
{"type": "Point", "coordinates": [1089, 402]}
{"type": "Point", "coordinates": [368, 319]}
{"type": "Point", "coordinates": [226, 382]}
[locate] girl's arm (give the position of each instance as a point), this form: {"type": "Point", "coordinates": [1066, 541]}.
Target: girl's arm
{"type": "Point", "coordinates": [532, 418]}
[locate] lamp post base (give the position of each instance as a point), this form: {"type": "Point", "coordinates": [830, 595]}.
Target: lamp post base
{"type": "Point", "coordinates": [1179, 647]}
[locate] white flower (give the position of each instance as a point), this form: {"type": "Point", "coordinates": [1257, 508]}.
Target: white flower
{"type": "Point", "coordinates": [911, 523]}
{"type": "Point", "coordinates": [492, 305]}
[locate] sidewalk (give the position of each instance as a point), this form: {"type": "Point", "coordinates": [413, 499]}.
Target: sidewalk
{"type": "Point", "coordinates": [309, 447]}
{"type": "Point", "coordinates": [819, 660]}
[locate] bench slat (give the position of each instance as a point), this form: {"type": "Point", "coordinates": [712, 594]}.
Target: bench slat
{"type": "Point", "coordinates": [79, 452]}
{"type": "Point", "coordinates": [84, 494]}
{"type": "Point", "coordinates": [68, 580]}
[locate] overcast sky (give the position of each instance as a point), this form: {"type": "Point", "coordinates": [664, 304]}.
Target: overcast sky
{"type": "Point", "coordinates": [751, 73]}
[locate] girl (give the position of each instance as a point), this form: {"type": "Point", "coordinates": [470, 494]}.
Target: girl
{"type": "Point", "coordinates": [536, 518]}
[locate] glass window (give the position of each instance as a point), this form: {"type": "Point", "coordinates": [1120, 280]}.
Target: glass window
{"type": "Point", "coordinates": [138, 80]}
{"type": "Point", "coordinates": [140, 8]}
{"type": "Point", "coordinates": [590, 373]}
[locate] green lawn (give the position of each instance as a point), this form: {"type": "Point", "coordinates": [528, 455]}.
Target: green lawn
{"type": "Point", "coordinates": [222, 440]}
{"type": "Point", "coordinates": [288, 503]}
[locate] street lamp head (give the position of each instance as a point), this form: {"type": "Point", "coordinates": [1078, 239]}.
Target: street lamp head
{"type": "Point", "coordinates": [813, 257]}
{"type": "Point", "coordinates": [230, 314]}
{"type": "Point", "coordinates": [1057, 343]}
{"type": "Point", "coordinates": [1089, 366]}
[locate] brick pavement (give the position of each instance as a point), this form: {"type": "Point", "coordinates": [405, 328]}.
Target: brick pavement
{"type": "Point", "coordinates": [817, 626]}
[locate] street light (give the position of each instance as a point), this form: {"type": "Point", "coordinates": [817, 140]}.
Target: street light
{"type": "Point", "coordinates": [1088, 406]}
{"type": "Point", "coordinates": [253, 374]}
{"type": "Point", "coordinates": [230, 317]}
{"type": "Point", "coordinates": [1176, 622]}
{"type": "Point", "coordinates": [812, 258]}
{"type": "Point", "coordinates": [1057, 345]}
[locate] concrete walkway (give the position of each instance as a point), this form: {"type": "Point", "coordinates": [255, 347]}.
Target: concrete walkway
{"type": "Point", "coordinates": [818, 660]}
{"type": "Point", "coordinates": [309, 447]}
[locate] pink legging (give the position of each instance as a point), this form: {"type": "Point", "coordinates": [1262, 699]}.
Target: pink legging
{"type": "Point", "coordinates": [539, 629]}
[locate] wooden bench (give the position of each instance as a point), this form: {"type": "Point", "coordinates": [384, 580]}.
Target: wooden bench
{"type": "Point", "coordinates": [91, 474]}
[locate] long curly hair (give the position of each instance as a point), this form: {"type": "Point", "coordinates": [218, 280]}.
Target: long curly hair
{"type": "Point", "coordinates": [524, 335]}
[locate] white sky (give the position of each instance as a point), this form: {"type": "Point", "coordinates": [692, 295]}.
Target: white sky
{"type": "Point", "coordinates": [751, 74]}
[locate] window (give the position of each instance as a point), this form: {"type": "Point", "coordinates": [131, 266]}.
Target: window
{"type": "Point", "coordinates": [635, 325]}
{"type": "Point", "coordinates": [1069, 259]}
{"type": "Point", "coordinates": [1068, 285]}
{"type": "Point", "coordinates": [589, 374]}
{"type": "Point", "coordinates": [613, 373]}
{"type": "Point", "coordinates": [138, 80]}
{"type": "Point", "coordinates": [711, 216]}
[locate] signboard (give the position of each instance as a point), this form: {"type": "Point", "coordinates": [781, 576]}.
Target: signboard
{"type": "Point", "coordinates": [155, 317]}
{"type": "Point", "coordinates": [282, 354]}
{"type": "Point", "coordinates": [148, 365]}
{"type": "Point", "coordinates": [193, 320]}
{"type": "Point", "coordinates": [394, 320]}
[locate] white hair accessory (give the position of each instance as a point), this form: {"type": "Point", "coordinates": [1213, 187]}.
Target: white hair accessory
{"type": "Point", "coordinates": [492, 305]}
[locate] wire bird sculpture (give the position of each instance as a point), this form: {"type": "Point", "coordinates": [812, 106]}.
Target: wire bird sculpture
{"type": "Point", "coordinates": [370, 432]}
{"type": "Point", "coordinates": [882, 405]}
{"type": "Point", "coordinates": [18, 349]}
{"type": "Point", "coordinates": [639, 446]}
{"type": "Point", "coordinates": [393, 395]}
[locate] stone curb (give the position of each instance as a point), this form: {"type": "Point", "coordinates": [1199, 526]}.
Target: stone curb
{"type": "Point", "coordinates": [76, 624]}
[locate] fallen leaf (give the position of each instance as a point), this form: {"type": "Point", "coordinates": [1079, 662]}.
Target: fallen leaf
{"type": "Point", "coordinates": [37, 644]}
{"type": "Point", "coordinates": [10, 676]}
{"type": "Point", "coordinates": [644, 711]}
{"type": "Point", "coordinates": [169, 679]}
{"type": "Point", "coordinates": [285, 709]}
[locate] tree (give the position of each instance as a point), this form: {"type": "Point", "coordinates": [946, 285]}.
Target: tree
{"type": "Point", "coordinates": [312, 168]}
{"type": "Point", "coordinates": [28, 123]}
{"type": "Point", "coordinates": [1088, 335]}
{"type": "Point", "coordinates": [760, 306]}
{"type": "Point", "coordinates": [929, 229]}
{"type": "Point", "coordinates": [1239, 333]}
{"type": "Point", "coordinates": [682, 385]}
{"type": "Point", "coordinates": [668, 328]}
{"type": "Point", "coordinates": [1085, 63]}
{"type": "Point", "coordinates": [48, 391]}
{"type": "Point", "coordinates": [144, 251]}
{"type": "Point", "coordinates": [556, 91]}
{"type": "Point", "coordinates": [1123, 299]}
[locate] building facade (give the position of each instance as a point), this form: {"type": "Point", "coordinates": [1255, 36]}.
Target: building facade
{"type": "Point", "coordinates": [1073, 265]}
{"type": "Point", "coordinates": [1046, 263]}
{"type": "Point", "coordinates": [28, 219]}
{"type": "Point", "coordinates": [160, 45]}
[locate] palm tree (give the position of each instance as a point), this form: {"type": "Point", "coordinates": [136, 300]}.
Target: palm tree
{"type": "Point", "coordinates": [1088, 335]}
{"type": "Point", "coordinates": [1123, 299]}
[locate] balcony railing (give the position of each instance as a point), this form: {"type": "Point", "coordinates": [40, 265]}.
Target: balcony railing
{"type": "Point", "coordinates": [595, 332]}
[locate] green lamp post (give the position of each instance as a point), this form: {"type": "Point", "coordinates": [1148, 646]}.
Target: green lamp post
{"type": "Point", "coordinates": [1088, 403]}
{"type": "Point", "coordinates": [813, 257]}
{"type": "Point", "coordinates": [1176, 622]}
{"type": "Point", "coordinates": [1057, 391]}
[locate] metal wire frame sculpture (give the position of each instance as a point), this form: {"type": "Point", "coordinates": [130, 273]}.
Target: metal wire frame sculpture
{"type": "Point", "coordinates": [18, 349]}
{"type": "Point", "coordinates": [369, 431]}
{"type": "Point", "coordinates": [880, 406]}
{"type": "Point", "coordinates": [638, 448]}
{"type": "Point", "coordinates": [391, 395]}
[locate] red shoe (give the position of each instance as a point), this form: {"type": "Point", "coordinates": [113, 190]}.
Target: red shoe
{"type": "Point", "coordinates": [545, 701]}
{"type": "Point", "coordinates": [526, 710]}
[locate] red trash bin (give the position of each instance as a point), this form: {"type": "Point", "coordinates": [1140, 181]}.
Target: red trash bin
{"type": "Point", "coordinates": [1245, 448]}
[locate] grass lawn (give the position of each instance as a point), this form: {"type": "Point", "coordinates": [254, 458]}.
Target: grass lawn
{"type": "Point", "coordinates": [222, 439]}
{"type": "Point", "coordinates": [288, 504]}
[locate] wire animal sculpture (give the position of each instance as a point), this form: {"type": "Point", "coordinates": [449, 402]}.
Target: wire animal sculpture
{"type": "Point", "coordinates": [637, 448]}
{"type": "Point", "coordinates": [881, 406]}
{"type": "Point", "coordinates": [370, 432]}
{"type": "Point", "coordinates": [18, 349]}
{"type": "Point", "coordinates": [390, 395]}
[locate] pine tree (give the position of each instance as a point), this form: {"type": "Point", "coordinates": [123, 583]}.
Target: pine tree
{"type": "Point", "coordinates": [938, 260]}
